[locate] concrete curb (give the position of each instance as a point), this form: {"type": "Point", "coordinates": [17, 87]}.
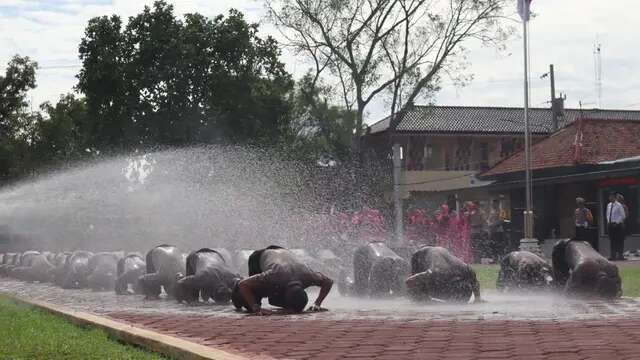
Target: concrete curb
{"type": "Point", "coordinates": [151, 340]}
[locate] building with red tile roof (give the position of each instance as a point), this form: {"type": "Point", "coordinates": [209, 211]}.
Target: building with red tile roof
{"type": "Point", "coordinates": [584, 142]}
{"type": "Point", "coordinates": [589, 158]}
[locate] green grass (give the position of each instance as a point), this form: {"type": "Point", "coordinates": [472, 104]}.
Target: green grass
{"type": "Point", "coordinates": [487, 275]}
{"type": "Point", "coordinates": [630, 274]}
{"type": "Point", "coordinates": [28, 333]}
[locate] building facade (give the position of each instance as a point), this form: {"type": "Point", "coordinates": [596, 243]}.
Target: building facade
{"type": "Point", "coordinates": [589, 158]}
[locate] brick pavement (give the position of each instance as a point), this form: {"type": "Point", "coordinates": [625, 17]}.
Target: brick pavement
{"type": "Point", "coordinates": [282, 337]}
{"type": "Point", "coordinates": [526, 328]}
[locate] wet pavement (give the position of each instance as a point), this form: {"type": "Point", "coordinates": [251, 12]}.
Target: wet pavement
{"type": "Point", "coordinates": [506, 327]}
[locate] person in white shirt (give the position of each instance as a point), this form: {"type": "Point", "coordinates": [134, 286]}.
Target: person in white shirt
{"type": "Point", "coordinates": [616, 216]}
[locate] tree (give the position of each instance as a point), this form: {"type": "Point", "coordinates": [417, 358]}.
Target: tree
{"type": "Point", "coordinates": [62, 134]}
{"type": "Point", "coordinates": [16, 128]}
{"type": "Point", "coordinates": [370, 46]}
{"type": "Point", "coordinates": [19, 78]}
{"type": "Point", "coordinates": [102, 81]}
{"type": "Point", "coordinates": [163, 80]}
{"type": "Point", "coordinates": [322, 131]}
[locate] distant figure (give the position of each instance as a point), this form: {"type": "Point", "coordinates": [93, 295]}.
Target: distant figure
{"type": "Point", "coordinates": [495, 222]}
{"type": "Point", "coordinates": [615, 223]}
{"type": "Point", "coordinates": [59, 261]}
{"type": "Point", "coordinates": [523, 270]}
{"type": "Point", "coordinates": [379, 271]}
{"type": "Point", "coordinates": [130, 269]}
{"type": "Point", "coordinates": [583, 272]}
{"type": "Point", "coordinates": [209, 276]}
{"type": "Point", "coordinates": [38, 269]}
{"type": "Point", "coordinates": [76, 270]}
{"type": "Point", "coordinates": [9, 261]}
{"type": "Point", "coordinates": [437, 275]}
{"type": "Point", "coordinates": [477, 223]}
{"type": "Point", "coordinates": [625, 229]}
{"type": "Point", "coordinates": [165, 266]}
{"type": "Point", "coordinates": [583, 218]}
{"type": "Point", "coordinates": [276, 273]}
{"type": "Point", "coordinates": [103, 269]}
{"type": "Point", "coordinates": [459, 235]}
{"type": "Point", "coordinates": [441, 226]}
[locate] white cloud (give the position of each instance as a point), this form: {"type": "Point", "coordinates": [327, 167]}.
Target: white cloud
{"type": "Point", "coordinates": [563, 33]}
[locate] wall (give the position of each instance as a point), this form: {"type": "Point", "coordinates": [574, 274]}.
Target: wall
{"type": "Point", "coordinates": [444, 149]}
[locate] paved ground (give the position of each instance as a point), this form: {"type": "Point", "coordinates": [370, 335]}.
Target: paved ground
{"type": "Point", "coordinates": [281, 337]}
{"type": "Point", "coordinates": [524, 327]}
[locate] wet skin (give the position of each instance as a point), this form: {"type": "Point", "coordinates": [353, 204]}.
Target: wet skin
{"type": "Point", "coordinates": [165, 265]}
{"type": "Point", "coordinates": [276, 273]}
{"type": "Point", "coordinates": [58, 271]}
{"type": "Point", "coordinates": [583, 272]}
{"type": "Point", "coordinates": [379, 271]}
{"type": "Point", "coordinates": [21, 261]}
{"type": "Point", "coordinates": [40, 269]}
{"type": "Point", "coordinates": [9, 260]}
{"type": "Point", "coordinates": [102, 271]}
{"type": "Point", "coordinates": [523, 270]}
{"type": "Point", "coordinates": [76, 270]}
{"type": "Point", "coordinates": [209, 276]}
{"type": "Point", "coordinates": [439, 275]}
{"type": "Point", "coordinates": [130, 269]}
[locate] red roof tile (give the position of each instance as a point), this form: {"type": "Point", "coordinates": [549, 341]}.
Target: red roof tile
{"type": "Point", "coordinates": [602, 140]}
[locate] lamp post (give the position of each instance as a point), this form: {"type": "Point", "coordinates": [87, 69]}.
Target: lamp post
{"type": "Point", "coordinates": [528, 242]}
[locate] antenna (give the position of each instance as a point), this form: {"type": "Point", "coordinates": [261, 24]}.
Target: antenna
{"type": "Point", "coordinates": [597, 68]}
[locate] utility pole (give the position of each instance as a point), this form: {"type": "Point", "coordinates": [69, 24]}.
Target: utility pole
{"type": "Point", "coordinates": [528, 214]}
{"type": "Point", "coordinates": [397, 194]}
{"type": "Point", "coordinates": [528, 242]}
{"type": "Point", "coordinates": [554, 114]}
{"type": "Point", "coordinates": [597, 61]}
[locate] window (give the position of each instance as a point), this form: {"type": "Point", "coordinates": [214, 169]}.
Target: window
{"type": "Point", "coordinates": [428, 151]}
{"type": "Point", "coordinates": [463, 155]}
{"type": "Point", "coordinates": [484, 157]}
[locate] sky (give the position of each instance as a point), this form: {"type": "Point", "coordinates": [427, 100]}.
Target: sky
{"type": "Point", "coordinates": [562, 33]}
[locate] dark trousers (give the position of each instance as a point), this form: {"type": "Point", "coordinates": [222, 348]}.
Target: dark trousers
{"type": "Point", "coordinates": [585, 234]}
{"type": "Point", "coordinates": [616, 237]}
{"type": "Point", "coordinates": [478, 244]}
{"type": "Point", "coordinates": [581, 233]}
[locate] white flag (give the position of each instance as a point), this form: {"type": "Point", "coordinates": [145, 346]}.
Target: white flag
{"type": "Point", "coordinates": [523, 9]}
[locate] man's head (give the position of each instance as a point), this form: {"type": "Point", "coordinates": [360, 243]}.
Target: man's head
{"type": "Point", "coordinates": [620, 198]}
{"type": "Point", "coordinates": [495, 204]}
{"type": "Point", "coordinates": [612, 197]}
{"type": "Point", "coordinates": [295, 297]}
{"type": "Point", "coordinates": [580, 202]}
{"type": "Point", "coordinates": [608, 285]}
{"type": "Point", "coordinates": [237, 299]}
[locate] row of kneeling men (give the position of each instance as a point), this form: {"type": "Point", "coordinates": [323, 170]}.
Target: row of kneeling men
{"type": "Point", "coordinates": [282, 276]}
{"type": "Point", "coordinates": [433, 273]}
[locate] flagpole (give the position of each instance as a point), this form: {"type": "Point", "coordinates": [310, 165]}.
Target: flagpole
{"type": "Point", "coordinates": [528, 215]}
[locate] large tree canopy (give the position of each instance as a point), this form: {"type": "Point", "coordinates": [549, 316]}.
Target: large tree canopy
{"type": "Point", "coordinates": [20, 77]}
{"type": "Point", "coordinates": [15, 121]}
{"type": "Point", "coordinates": [163, 80]}
{"type": "Point", "coordinates": [373, 47]}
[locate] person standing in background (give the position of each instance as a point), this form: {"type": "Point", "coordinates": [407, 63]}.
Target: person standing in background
{"type": "Point", "coordinates": [624, 223]}
{"type": "Point", "coordinates": [615, 222]}
{"type": "Point", "coordinates": [583, 218]}
{"type": "Point", "coordinates": [496, 230]}
{"type": "Point", "coordinates": [477, 224]}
